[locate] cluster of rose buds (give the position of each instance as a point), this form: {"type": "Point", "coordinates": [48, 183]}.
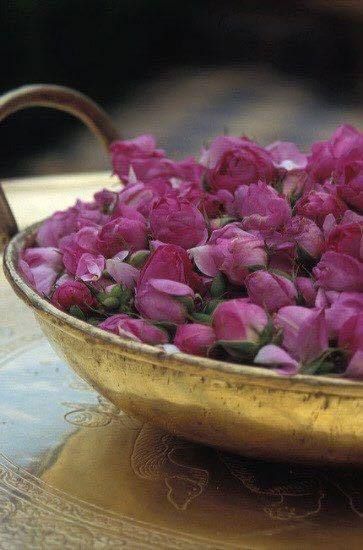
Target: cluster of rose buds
{"type": "Point", "coordinates": [251, 254]}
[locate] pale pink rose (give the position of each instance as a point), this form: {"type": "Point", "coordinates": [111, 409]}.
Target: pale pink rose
{"type": "Point", "coordinates": [270, 291]}
{"type": "Point", "coordinates": [355, 366]}
{"type": "Point", "coordinates": [294, 183]}
{"type": "Point", "coordinates": [194, 338]}
{"type": "Point", "coordinates": [305, 334]}
{"type": "Point", "coordinates": [90, 267]}
{"type": "Point", "coordinates": [74, 245]}
{"type": "Point", "coordinates": [239, 321]}
{"type": "Point", "coordinates": [135, 329]}
{"type": "Point", "coordinates": [122, 234]}
{"type": "Point", "coordinates": [178, 222]}
{"type": "Point", "coordinates": [261, 207]}
{"type": "Point", "coordinates": [286, 155]}
{"type": "Point", "coordinates": [347, 239]}
{"type": "Point", "coordinates": [73, 293]}
{"type": "Point", "coordinates": [306, 290]}
{"type": "Point", "coordinates": [122, 272]}
{"type": "Point", "coordinates": [339, 272]}
{"type": "Point", "coordinates": [316, 205]}
{"type": "Point", "coordinates": [274, 356]}
{"type": "Point", "coordinates": [233, 161]}
{"type": "Point", "coordinates": [41, 266]}
{"type": "Point", "coordinates": [350, 335]}
{"type": "Point", "coordinates": [343, 306]}
{"type": "Point", "coordinates": [307, 235]}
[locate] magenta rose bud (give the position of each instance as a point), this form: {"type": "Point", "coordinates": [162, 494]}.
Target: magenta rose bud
{"type": "Point", "coordinates": [307, 235]}
{"type": "Point", "coordinates": [140, 154]}
{"type": "Point", "coordinates": [194, 338]}
{"type": "Point", "coordinates": [306, 290]}
{"type": "Point", "coordinates": [122, 234]}
{"type": "Point", "coordinates": [41, 267]}
{"type": "Point", "coordinates": [350, 184]}
{"type": "Point", "coordinates": [270, 291]}
{"type": "Point", "coordinates": [347, 239]}
{"type": "Point", "coordinates": [305, 334]}
{"type": "Point", "coordinates": [350, 336]}
{"type": "Point", "coordinates": [179, 222]}
{"type": "Point", "coordinates": [343, 306]}
{"type": "Point", "coordinates": [73, 293]}
{"type": "Point", "coordinates": [239, 321]}
{"type": "Point", "coordinates": [339, 272]}
{"type": "Point", "coordinates": [233, 161]}
{"type": "Point", "coordinates": [316, 205]}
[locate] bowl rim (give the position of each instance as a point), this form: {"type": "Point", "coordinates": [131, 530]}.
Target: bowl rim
{"type": "Point", "coordinates": [153, 354]}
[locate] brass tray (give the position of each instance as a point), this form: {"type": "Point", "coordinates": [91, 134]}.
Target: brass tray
{"type": "Point", "coordinates": [75, 472]}
{"type": "Point", "coordinates": [238, 408]}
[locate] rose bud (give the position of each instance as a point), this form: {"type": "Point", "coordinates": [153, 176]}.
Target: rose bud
{"type": "Point", "coordinates": [194, 338]}
{"type": "Point", "coordinates": [270, 291]}
{"type": "Point", "coordinates": [138, 259]}
{"type": "Point", "coordinates": [350, 184]}
{"type": "Point", "coordinates": [239, 325]}
{"type": "Point", "coordinates": [121, 271]}
{"type": "Point", "coordinates": [179, 222]}
{"type": "Point", "coordinates": [73, 293]}
{"type": "Point", "coordinates": [122, 234]}
{"type": "Point", "coordinates": [350, 336]}
{"type": "Point", "coordinates": [305, 334]}
{"type": "Point", "coordinates": [139, 153]}
{"type": "Point", "coordinates": [355, 366]}
{"type": "Point", "coordinates": [74, 245]}
{"type": "Point", "coordinates": [344, 306]}
{"type": "Point", "coordinates": [90, 267]}
{"type": "Point", "coordinates": [306, 290]}
{"type": "Point", "coordinates": [339, 272]}
{"type": "Point", "coordinates": [347, 239]}
{"type": "Point", "coordinates": [233, 161]}
{"type": "Point", "coordinates": [307, 235]}
{"type": "Point", "coordinates": [316, 205]}
{"type": "Point", "coordinates": [135, 329]}
{"type": "Point", "coordinates": [286, 155]}
{"type": "Point", "coordinates": [274, 356]}
{"type": "Point", "coordinates": [41, 267]}
{"type": "Point", "coordinates": [164, 300]}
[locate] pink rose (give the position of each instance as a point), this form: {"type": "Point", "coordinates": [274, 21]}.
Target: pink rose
{"type": "Point", "coordinates": [350, 183]}
{"type": "Point", "coordinates": [274, 356]}
{"type": "Point", "coordinates": [286, 155]}
{"type": "Point", "coordinates": [355, 366]}
{"type": "Point", "coordinates": [294, 183]}
{"type": "Point", "coordinates": [135, 329]}
{"type": "Point", "coordinates": [344, 306]}
{"type": "Point", "coordinates": [122, 272]}
{"type": "Point", "coordinates": [140, 154]}
{"type": "Point", "coordinates": [239, 321]}
{"type": "Point", "coordinates": [166, 285]}
{"type": "Point", "coordinates": [73, 293]}
{"type": "Point", "coordinates": [236, 161]}
{"type": "Point", "coordinates": [339, 272]}
{"type": "Point", "coordinates": [194, 338]}
{"type": "Point", "coordinates": [106, 199]}
{"type": "Point", "coordinates": [350, 335]}
{"type": "Point", "coordinates": [178, 222]}
{"type": "Point", "coordinates": [270, 291]}
{"type": "Point", "coordinates": [307, 235]}
{"type": "Point", "coordinates": [306, 290]}
{"type": "Point", "coordinates": [41, 267]}
{"type": "Point", "coordinates": [74, 245]}
{"type": "Point", "coordinates": [90, 267]}
{"type": "Point", "coordinates": [316, 205]}
{"type": "Point", "coordinates": [347, 239]}
{"type": "Point", "coordinates": [305, 334]}
{"type": "Point", "coordinates": [261, 207]}
{"type": "Point", "coordinates": [122, 234]}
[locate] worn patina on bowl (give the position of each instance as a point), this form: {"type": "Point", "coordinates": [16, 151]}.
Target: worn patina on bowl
{"type": "Point", "coordinates": [251, 411]}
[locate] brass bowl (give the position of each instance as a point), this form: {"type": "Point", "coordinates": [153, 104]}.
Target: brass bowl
{"type": "Point", "coordinates": [247, 410]}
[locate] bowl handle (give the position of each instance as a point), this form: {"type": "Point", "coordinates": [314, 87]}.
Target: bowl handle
{"type": "Point", "coordinates": [62, 99]}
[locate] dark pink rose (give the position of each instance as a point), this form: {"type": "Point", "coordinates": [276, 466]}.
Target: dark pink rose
{"type": "Point", "coordinates": [233, 161]}
{"type": "Point", "coordinates": [178, 222]}
{"type": "Point", "coordinates": [41, 266]}
{"type": "Point", "coordinates": [339, 272]}
{"type": "Point", "coordinates": [239, 321]}
{"type": "Point", "coordinates": [350, 335]}
{"type": "Point", "coordinates": [75, 245]}
{"type": "Point", "coordinates": [306, 290]}
{"type": "Point", "coordinates": [305, 334]}
{"type": "Point", "coordinates": [306, 234]}
{"type": "Point", "coordinates": [261, 207]}
{"type": "Point", "coordinates": [270, 291]}
{"type": "Point", "coordinates": [350, 183]}
{"type": "Point", "coordinates": [140, 154]}
{"type": "Point", "coordinates": [316, 205]}
{"type": "Point", "coordinates": [347, 239]}
{"type": "Point", "coordinates": [276, 357]}
{"type": "Point", "coordinates": [135, 329]}
{"type": "Point", "coordinates": [343, 306]}
{"type": "Point", "coordinates": [90, 267]}
{"type": "Point", "coordinates": [73, 293]}
{"type": "Point", "coordinates": [286, 155]}
{"type": "Point", "coordinates": [166, 285]}
{"type": "Point", "coordinates": [122, 234]}
{"type": "Point", "coordinates": [194, 338]}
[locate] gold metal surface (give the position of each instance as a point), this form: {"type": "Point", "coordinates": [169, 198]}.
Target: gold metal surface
{"type": "Point", "coordinates": [75, 472]}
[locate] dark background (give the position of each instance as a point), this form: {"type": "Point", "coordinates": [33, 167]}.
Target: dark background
{"type": "Point", "coordinates": [116, 51]}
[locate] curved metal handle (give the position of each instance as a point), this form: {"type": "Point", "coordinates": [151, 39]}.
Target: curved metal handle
{"type": "Point", "coordinates": [62, 99]}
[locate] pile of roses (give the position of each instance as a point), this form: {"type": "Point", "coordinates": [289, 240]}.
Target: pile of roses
{"type": "Point", "coordinates": [251, 254]}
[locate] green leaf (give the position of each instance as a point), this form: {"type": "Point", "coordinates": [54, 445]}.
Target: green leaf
{"type": "Point", "coordinates": [218, 287]}
{"type": "Point", "coordinates": [200, 318]}
{"type": "Point", "coordinates": [243, 350]}
{"type": "Point", "coordinates": [77, 312]}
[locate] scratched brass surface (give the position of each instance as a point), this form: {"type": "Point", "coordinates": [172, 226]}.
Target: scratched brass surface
{"type": "Point", "coordinates": [75, 472]}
